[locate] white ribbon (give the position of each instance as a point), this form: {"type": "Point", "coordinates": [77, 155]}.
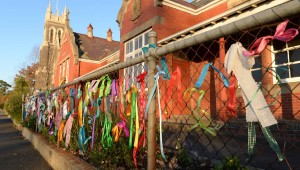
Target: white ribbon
{"type": "Point", "coordinates": [240, 65]}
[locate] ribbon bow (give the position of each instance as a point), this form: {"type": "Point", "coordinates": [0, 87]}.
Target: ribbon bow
{"type": "Point", "coordinates": [146, 49]}
{"type": "Point", "coordinates": [259, 45]}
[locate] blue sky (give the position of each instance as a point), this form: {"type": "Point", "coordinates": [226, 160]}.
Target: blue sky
{"type": "Point", "coordinates": [22, 25]}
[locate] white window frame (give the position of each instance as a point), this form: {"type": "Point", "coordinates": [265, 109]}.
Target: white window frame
{"type": "Point", "coordinates": [286, 49]}
{"type": "Point", "coordinates": [136, 52]}
{"type": "Point", "coordinates": [255, 69]}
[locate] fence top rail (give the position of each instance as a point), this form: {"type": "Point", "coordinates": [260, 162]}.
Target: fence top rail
{"type": "Point", "coordinates": [264, 14]}
{"type": "Point", "coordinates": [99, 73]}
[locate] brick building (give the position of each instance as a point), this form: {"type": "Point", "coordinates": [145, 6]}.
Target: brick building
{"type": "Point", "coordinates": [174, 20]}
{"type": "Point", "coordinates": [66, 55]}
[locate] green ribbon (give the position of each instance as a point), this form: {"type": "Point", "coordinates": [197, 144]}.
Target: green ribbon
{"type": "Point", "coordinates": [132, 115]}
{"type": "Point", "coordinates": [203, 125]}
{"type": "Point", "coordinates": [251, 138]}
{"type": "Point", "coordinates": [106, 139]}
{"type": "Point", "coordinates": [105, 84]}
{"type": "Point", "coordinates": [272, 142]}
{"type": "Point", "coordinates": [273, 96]}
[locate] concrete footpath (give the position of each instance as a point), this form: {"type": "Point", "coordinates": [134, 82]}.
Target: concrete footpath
{"type": "Point", "coordinates": [16, 152]}
{"type": "Point", "coordinates": [12, 142]}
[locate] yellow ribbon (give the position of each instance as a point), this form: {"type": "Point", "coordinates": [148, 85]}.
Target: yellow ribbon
{"type": "Point", "coordinates": [80, 113]}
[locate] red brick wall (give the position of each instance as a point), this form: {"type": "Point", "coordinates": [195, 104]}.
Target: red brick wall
{"type": "Point", "coordinates": [75, 70]}
{"type": "Point", "coordinates": [176, 20]}
{"type": "Point", "coordinates": [86, 67]}
{"type": "Point", "coordinates": [65, 52]}
{"type": "Point", "coordinates": [148, 12]}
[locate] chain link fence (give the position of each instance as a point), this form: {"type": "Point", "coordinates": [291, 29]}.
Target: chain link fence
{"type": "Point", "coordinates": [198, 129]}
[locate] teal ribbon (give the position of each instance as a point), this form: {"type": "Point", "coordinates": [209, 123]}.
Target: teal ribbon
{"type": "Point", "coordinates": [81, 139]}
{"type": "Point", "coordinates": [165, 69]}
{"type": "Point", "coordinates": [146, 49]}
{"type": "Point", "coordinates": [204, 73]}
{"type": "Point", "coordinates": [79, 92]}
{"type": "Point", "coordinates": [72, 97]}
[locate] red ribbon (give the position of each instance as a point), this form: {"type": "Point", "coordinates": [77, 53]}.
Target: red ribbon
{"type": "Point", "coordinates": [176, 76]}
{"type": "Point", "coordinates": [232, 96]}
{"type": "Point", "coordinates": [259, 45]}
{"type": "Point", "coordinates": [135, 150]}
{"type": "Point", "coordinates": [142, 102]}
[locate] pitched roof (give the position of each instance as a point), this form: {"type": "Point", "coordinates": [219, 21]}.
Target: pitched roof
{"type": "Point", "coordinates": [96, 48]}
{"type": "Point", "coordinates": [185, 3]}
{"type": "Point", "coordinates": [200, 3]}
{"type": "Point", "coordinates": [194, 4]}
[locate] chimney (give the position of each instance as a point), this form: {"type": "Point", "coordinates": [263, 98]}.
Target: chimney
{"type": "Point", "coordinates": [109, 35]}
{"type": "Point", "coordinates": [90, 31]}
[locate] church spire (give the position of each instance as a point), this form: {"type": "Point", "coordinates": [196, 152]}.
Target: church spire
{"type": "Point", "coordinates": [49, 7]}
{"type": "Point", "coordinates": [66, 12]}
{"type": "Point", "coordinates": [49, 10]}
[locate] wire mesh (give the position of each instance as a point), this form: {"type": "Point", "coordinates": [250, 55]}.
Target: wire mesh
{"type": "Point", "coordinates": [203, 148]}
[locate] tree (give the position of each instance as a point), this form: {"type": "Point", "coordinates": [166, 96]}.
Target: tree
{"type": "Point", "coordinates": [28, 73]}
{"type": "Point", "coordinates": [4, 86]}
{"type": "Point", "coordinates": [13, 104]}
{"type": "Point", "coordinates": [4, 89]}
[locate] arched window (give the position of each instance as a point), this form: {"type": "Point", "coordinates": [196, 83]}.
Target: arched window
{"type": "Point", "coordinates": [51, 36]}
{"type": "Point", "coordinates": [59, 37]}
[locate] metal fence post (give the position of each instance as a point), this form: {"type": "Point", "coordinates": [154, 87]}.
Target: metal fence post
{"type": "Point", "coordinates": [151, 136]}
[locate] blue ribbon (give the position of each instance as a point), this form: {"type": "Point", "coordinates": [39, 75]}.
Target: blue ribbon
{"type": "Point", "coordinates": [204, 73]}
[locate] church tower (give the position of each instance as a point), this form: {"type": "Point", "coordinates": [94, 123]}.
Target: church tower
{"type": "Point", "coordinates": [53, 32]}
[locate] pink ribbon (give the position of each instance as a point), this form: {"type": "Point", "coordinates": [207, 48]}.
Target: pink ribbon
{"type": "Point", "coordinates": [123, 126]}
{"type": "Point", "coordinates": [259, 45]}
{"type": "Point", "coordinates": [68, 128]}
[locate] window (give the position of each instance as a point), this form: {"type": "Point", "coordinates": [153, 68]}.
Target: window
{"type": "Point", "coordinates": [133, 49]}
{"type": "Point", "coordinates": [64, 70]}
{"type": "Point", "coordinates": [59, 37]}
{"type": "Point", "coordinates": [60, 72]}
{"type": "Point", "coordinates": [286, 57]}
{"type": "Point", "coordinates": [256, 69]}
{"type": "Point", "coordinates": [51, 35]}
{"type": "Point", "coordinates": [67, 71]}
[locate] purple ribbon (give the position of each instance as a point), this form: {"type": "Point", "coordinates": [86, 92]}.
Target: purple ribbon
{"type": "Point", "coordinates": [114, 91]}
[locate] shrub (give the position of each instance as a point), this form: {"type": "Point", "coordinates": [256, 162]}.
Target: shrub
{"type": "Point", "coordinates": [13, 106]}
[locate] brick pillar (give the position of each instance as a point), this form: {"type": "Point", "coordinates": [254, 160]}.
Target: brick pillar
{"type": "Point", "coordinates": [223, 114]}
{"type": "Point", "coordinates": [266, 61]}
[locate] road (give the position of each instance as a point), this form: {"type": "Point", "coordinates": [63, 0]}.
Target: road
{"type": "Point", "coordinates": [15, 152]}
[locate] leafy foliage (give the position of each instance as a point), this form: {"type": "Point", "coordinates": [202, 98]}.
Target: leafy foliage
{"type": "Point", "coordinates": [229, 163]}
